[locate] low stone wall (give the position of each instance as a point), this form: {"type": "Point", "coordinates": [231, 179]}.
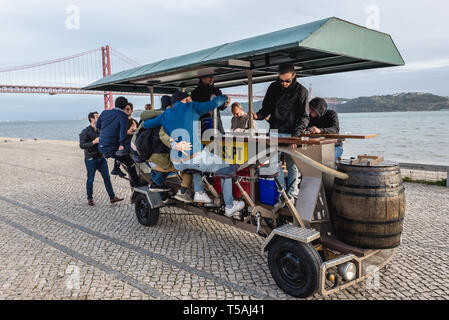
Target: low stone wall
{"type": "Point", "coordinates": [423, 175]}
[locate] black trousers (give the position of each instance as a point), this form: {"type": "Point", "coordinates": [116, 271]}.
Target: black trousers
{"type": "Point", "coordinates": [109, 152]}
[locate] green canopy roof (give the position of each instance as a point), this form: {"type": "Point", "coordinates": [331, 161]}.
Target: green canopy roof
{"type": "Point", "coordinates": [326, 46]}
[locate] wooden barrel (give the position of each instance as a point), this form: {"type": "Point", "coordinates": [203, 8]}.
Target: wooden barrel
{"type": "Point", "coordinates": [369, 207]}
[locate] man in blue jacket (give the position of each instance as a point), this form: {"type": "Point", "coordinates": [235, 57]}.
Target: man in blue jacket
{"type": "Point", "coordinates": [113, 128]}
{"type": "Point", "coordinates": [181, 122]}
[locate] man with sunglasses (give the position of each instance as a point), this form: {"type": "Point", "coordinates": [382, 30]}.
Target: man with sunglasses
{"type": "Point", "coordinates": [286, 103]}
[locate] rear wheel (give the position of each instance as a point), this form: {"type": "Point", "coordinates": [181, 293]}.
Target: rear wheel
{"type": "Point", "coordinates": [295, 266]}
{"type": "Point", "coordinates": [145, 214]}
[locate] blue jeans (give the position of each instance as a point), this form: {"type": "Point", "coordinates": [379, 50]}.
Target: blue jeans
{"type": "Point", "coordinates": [292, 169]}
{"type": "Point", "coordinates": [100, 164]}
{"type": "Point", "coordinates": [158, 177]}
{"type": "Point", "coordinates": [207, 162]}
{"type": "Point", "coordinates": [338, 152]}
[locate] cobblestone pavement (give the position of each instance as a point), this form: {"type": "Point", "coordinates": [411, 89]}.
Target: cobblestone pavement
{"type": "Point", "coordinates": [54, 246]}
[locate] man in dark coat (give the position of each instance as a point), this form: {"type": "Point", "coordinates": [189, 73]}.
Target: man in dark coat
{"type": "Point", "coordinates": [204, 93]}
{"type": "Point", "coordinates": [132, 127]}
{"type": "Point", "coordinates": [323, 120]}
{"type": "Point", "coordinates": [94, 160]}
{"type": "Point", "coordinates": [113, 128]}
{"type": "Point", "coordinates": [286, 103]}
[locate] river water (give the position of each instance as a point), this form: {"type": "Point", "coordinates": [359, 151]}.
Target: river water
{"type": "Point", "coordinates": [420, 137]}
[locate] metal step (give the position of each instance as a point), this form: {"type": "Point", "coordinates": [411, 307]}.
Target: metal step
{"type": "Point", "coordinates": [292, 232]}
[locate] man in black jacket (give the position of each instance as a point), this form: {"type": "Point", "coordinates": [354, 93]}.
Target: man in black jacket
{"type": "Point", "coordinates": [286, 103]}
{"type": "Point", "coordinates": [204, 93]}
{"type": "Point", "coordinates": [94, 160]}
{"type": "Point", "coordinates": [324, 121]}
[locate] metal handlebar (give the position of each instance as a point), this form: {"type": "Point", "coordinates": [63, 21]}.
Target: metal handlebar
{"type": "Point", "coordinates": [313, 163]}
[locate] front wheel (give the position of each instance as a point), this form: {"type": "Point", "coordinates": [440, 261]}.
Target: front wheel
{"type": "Point", "coordinates": [145, 214]}
{"type": "Point", "coordinates": [295, 266]}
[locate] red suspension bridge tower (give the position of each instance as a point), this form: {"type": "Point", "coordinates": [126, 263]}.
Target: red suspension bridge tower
{"type": "Point", "coordinates": [106, 59]}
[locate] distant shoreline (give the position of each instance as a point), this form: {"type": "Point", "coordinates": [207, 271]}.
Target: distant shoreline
{"type": "Point", "coordinates": [392, 111]}
{"type": "Point", "coordinates": [230, 115]}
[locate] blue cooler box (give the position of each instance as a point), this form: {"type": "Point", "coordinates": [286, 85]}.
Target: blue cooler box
{"type": "Point", "coordinates": [268, 193]}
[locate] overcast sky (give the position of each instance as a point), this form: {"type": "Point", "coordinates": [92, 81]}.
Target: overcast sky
{"type": "Point", "coordinates": [147, 31]}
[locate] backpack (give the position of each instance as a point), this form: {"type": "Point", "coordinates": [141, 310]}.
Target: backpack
{"type": "Point", "coordinates": [148, 142]}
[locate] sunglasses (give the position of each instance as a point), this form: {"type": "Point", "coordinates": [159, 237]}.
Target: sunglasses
{"type": "Point", "coordinates": [285, 81]}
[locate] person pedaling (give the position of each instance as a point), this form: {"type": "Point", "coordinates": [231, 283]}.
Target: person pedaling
{"type": "Point", "coordinates": [153, 146]}
{"type": "Point", "coordinates": [181, 122]}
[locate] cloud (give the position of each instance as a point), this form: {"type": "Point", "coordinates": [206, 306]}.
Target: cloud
{"type": "Point", "coordinates": [426, 65]}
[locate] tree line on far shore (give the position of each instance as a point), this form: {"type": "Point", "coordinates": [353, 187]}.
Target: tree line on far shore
{"type": "Point", "coordinates": [411, 101]}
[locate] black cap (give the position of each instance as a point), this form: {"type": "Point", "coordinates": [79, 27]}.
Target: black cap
{"type": "Point", "coordinates": [178, 96]}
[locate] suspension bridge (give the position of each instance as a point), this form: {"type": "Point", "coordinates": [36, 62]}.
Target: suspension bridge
{"type": "Point", "coordinates": [68, 75]}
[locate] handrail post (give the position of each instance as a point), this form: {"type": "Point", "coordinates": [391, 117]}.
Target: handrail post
{"type": "Point", "coordinates": [152, 96]}
{"type": "Point", "coordinates": [252, 171]}
{"type": "Point", "coordinates": [249, 74]}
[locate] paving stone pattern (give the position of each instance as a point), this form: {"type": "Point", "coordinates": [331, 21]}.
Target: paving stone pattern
{"type": "Point", "coordinates": [54, 246]}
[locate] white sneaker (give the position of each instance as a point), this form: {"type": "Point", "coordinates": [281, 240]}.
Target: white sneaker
{"type": "Point", "coordinates": [236, 207]}
{"type": "Point", "coordinates": [202, 197]}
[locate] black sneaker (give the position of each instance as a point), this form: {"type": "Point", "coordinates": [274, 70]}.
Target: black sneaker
{"type": "Point", "coordinates": [119, 173]}
{"type": "Point", "coordinates": [157, 188]}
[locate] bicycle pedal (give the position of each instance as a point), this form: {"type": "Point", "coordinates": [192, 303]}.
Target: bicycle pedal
{"type": "Point", "coordinates": [201, 204]}
{"type": "Point", "coordinates": [210, 205]}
